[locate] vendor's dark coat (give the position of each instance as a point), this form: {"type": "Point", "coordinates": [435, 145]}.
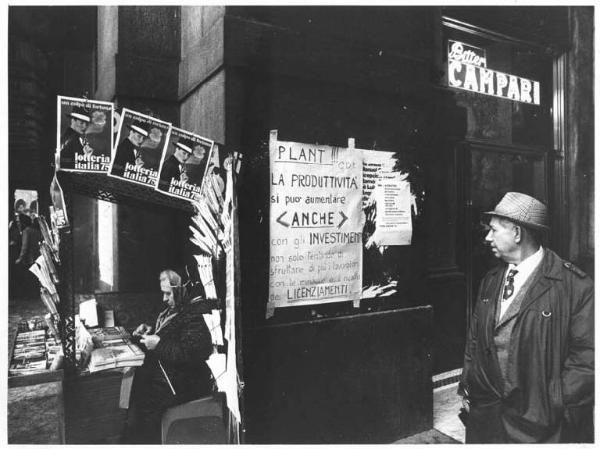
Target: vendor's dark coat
{"type": "Point", "coordinates": [185, 345]}
{"type": "Point", "coordinates": [549, 387]}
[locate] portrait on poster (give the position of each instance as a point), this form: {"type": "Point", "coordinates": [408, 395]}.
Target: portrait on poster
{"type": "Point", "coordinates": [141, 140]}
{"type": "Point", "coordinates": [84, 134]}
{"type": "Point", "coordinates": [184, 164]}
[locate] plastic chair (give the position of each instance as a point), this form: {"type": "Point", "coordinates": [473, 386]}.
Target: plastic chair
{"type": "Point", "coordinates": [196, 422]}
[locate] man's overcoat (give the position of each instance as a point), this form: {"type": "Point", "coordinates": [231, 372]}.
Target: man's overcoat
{"type": "Point", "coordinates": [549, 386]}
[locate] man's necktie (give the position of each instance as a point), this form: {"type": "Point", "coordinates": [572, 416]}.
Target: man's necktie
{"type": "Point", "coordinates": [509, 286]}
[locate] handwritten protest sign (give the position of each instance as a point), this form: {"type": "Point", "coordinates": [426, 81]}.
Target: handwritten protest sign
{"type": "Point", "coordinates": [84, 134]}
{"type": "Point", "coordinates": [141, 141]}
{"type": "Point", "coordinates": [315, 224]}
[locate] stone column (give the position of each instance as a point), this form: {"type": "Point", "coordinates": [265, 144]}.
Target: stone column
{"type": "Point", "coordinates": [579, 158]}
{"type": "Point", "coordinates": [147, 60]}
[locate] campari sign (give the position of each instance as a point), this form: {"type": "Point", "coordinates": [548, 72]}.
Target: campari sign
{"type": "Point", "coordinates": [467, 70]}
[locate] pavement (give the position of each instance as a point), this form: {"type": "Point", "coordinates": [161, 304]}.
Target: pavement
{"type": "Point", "coordinates": [447, 427]}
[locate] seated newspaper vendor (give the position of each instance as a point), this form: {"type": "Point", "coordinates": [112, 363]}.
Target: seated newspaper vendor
{"type": "Point", "coordinates": [174, 370]}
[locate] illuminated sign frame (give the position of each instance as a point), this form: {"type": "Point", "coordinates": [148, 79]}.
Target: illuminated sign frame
{"type": "Point", "coordinates": [467, 70]}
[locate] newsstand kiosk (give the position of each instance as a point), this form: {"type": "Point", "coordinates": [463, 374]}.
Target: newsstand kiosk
{"type": "Point", "coordinates": [85, 407]}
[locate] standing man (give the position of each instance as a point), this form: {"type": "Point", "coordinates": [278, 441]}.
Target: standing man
{"type": "Point", "coordinates": [73, 139]}
{"type": "Point", "coordinates": [128, 151]}
{"type": "Point", "coordinates": [174, 165]}
{"type": "Point", "coordinates": [528, 373]}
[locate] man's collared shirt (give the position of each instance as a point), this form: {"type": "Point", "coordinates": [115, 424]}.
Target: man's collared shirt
{"type": "Point", "coordinates": [524, 270]}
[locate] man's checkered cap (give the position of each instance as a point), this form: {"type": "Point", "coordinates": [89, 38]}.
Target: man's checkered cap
{"type": "Point", "coordinates": [522, 209]}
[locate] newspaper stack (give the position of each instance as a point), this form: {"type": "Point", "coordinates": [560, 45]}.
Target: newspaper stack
{"type": "Point", "coordinates": [29, 355]}
{"type": "Point", "coordinates": [113, 348]}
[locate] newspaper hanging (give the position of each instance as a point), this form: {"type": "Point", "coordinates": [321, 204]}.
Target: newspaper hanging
{"type": "Point", "coordinates": [227, 218]}
{"type": "Point", "coordinates": [58, 211]}
{"type": "Point", "coordinates": [315, 224]}
{"type": "Point", "coordinates": [184, 164]}
{"type": "Point", "coordinates": [84, 134]}
{"type": "Point", "coordinates": [141, 140]}
{"type": "Point", "coordinates": [214, 170]}
{"type": "Point", "coordinates": [231, 374]}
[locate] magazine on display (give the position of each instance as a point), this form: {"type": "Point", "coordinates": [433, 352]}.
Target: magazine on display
{"type": "Point", "coordinates": [141, 140]}
{"type": "Point", "coordinates": [84, 134]}
{"type": "Point", "coordinates": [184, 164]}
{"type": "Point", "coordinates": [49, 300]}
{"type": "Point", "coordinates": [26, 202]}
{"type": "Point", "coordinates": [50, 238]}
{"type": "Point", "coordinates": [58, 211]}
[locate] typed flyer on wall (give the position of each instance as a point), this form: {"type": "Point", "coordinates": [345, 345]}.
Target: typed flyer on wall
{"type": "Point", "coordinates": [387, 194]}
